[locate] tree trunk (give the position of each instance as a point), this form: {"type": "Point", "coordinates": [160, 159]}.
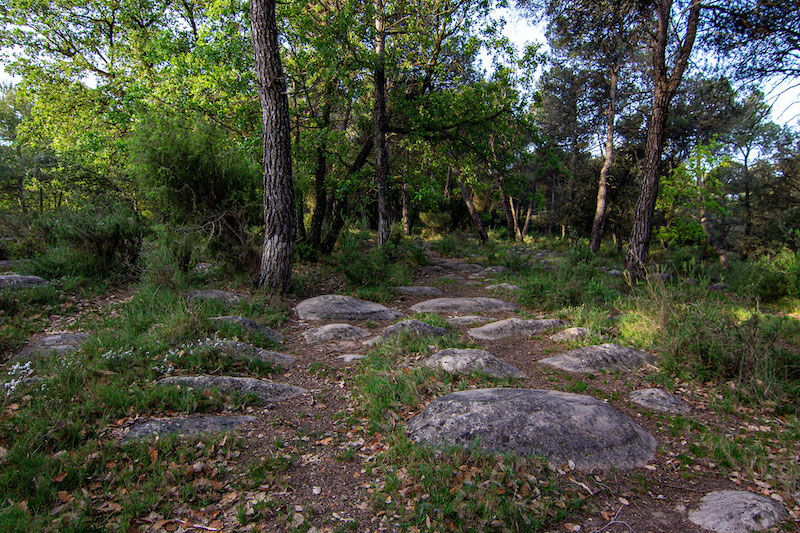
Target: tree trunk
{"type": "Point", "coordinates": [406, 210]}
{"type": "Point", "coordinates": [515, 217]}
{"type": "Point", "coordinates": [664, 86]}
{"type": "Point", "coordinates": [476, 218]}
{"type": "Point", "coordinates": [279, 208]}
{"type": "Point", "coordinates": [527, 219]}
{"type": "Point", "coordinates": [379, 127]}
{"type": "Point", "coordinates": [506, 208]}
{"type": "Point", "coordinates": [602, 189]}
{"type": "Point", "coordinates": [320, 170]}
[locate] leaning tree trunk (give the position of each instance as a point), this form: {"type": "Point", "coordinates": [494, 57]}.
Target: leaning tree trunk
{"type": "Point", "coordinates": [473, 213]}
{"type": "Point", "coordinates": [602, 189]}
{"type": "Point", "coordinates": [506, 208]}
{"type": "Point", "coordinates": [279, 209]}
{"type": "Point", "coordinates": [379, 128]}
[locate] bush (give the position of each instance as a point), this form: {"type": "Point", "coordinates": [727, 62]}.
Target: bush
{"type": "Point", "coordinates": [364, 265]}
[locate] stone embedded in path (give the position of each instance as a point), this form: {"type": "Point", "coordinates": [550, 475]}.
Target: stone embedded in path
{"type": "Point", "coordinates": [559, 426]}
{"type": "Point", "coordinates": [465, 361]}
{"type": "Point", "coordinates": [659, 400]}
{"type": "Point", "coordinates": [503, 286]}
{"type": "Point", "coordinates": [16, 281]}
{"type": "Point", "coordinates": [58, 344]}
{"type": "Point", "coordinates": [338, 307]}
{"type": "Point", "coordinates": [410, 327]}
{"type": "Point", "coordinates": [570, 334]}
{"type": "Point", "coordinates": [463, 305]}
{"type": "Point", "coordinates": [335, 332]}
{"type": "Point", "coordinates": [350, 357]}
{"type": "Point", "coordinates": [248, 325]}
{"type": "Point", "coordinates": [418, 291]}
{"type": "Point", "coordinates": [469, 320]}
{"type": "Point", "coordinates": [736, 511]}
{"type": "Point", "coordinates": [597, 358]}
{"type": "Point", "coordinates": [512, 327]}
{"type": "Point", "coordinates": [204, 295]}
{"type": "Point", "coordinates": [248, 352]}
{"type": "Point", "coordinates": [614, 273]}
{"type": "Point", "coordinates": [266, 391]}
{"type": "Point", "coordinates": [185, 426]}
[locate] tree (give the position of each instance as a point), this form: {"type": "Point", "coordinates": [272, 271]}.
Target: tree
{"type": "Point", "coordinates": [279, 212]}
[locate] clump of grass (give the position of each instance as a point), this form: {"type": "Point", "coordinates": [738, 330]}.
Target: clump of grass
{"type": "Point", "coordinates": [365, 266]}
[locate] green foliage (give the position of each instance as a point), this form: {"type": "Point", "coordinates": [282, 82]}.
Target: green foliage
{"type": "Point", "coordinates": [392, 264]}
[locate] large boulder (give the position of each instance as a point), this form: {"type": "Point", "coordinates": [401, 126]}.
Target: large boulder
{"type": "Point", "coordinates": [463, 305]}
{"type": "Point", "coordinates": [187, 426]}
{"type": "Point", "coordinates": [410, 327]}
{"type": "Point", "coordinates": [603, 357]}
{"type": "Point", "coordinates": [736, 511]}
{"type": "Point", "coordinates": [248, 325]}
{"type": "Point", "coordinates": [338, 307]}
{"type": "Point", "coordinates": [659, 400]}
{"type": "Point", "coordinates": [57, 345]}
{"type": "Point", "coordinates": [466, 361]}
{"type": "Point", "coordinates": [334, 332]}
{"type": "Point", "coordinates": [563, 428]}
{"type": "Point", "coordinates": [266, 391]}
{"type": "Point", "coordinates": [16, 281]}
{"type": "Point", "coordinates": [570, 334]}
{"type": "Point", "coordinates": [512, 327]}
{"type": "Point", "coordinates": [469, 320]}
{"type": "Point", "coordinates": [204, 295]}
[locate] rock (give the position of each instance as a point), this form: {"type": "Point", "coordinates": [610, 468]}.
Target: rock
{"type": "Point", "coordinates": [248, 325]}
{"type": "Point", "coordinates": [248, 352]}
{"type": "Point", "coordinates": [560, 426]}
{"type": "Point", "coordinates": [463, 305]}
{"type": "Point", "coordinates": [15, 281]}
{"type": "Point", "coordinates": [350, 357]}
{"type": "Point", "coordinates": [469, 320]}
{"type": "Point", "coordinates": [410, 327]}
{"type": "Point", "coordinates": [202, 267]}
{"type": "Point", "coordinates": [337, 307]}
{"type": "Point", "coordinates": [58, 344]}
{"type": "Point", "coordinates": [10, 265]}
{"type": "Point", "coordinates": [503, 286]}
{"type": "Point", "coordinates": [205, 295]}
{"type": "Point", "coordinates": [570, 334]}
{"type": "Point", "coordinates": [334, 332]}
{"type": "Point", "coordinates": [598, 358]}
{"type": "Point", "coordinates": [185, 426]}
{"type": "Point", "coordinates": [464, 267]}
{"type": "Point", "coordinates": [512, 327]}
{"type": "Point", "coordinates": [494, 270]}
{"type": "Point", "coordinates": [465, 361]}
{"type": "Point", "coordinates": [718, 287]}
{"type": "Point", "coordinates": [614, 273]}
{"type": "Point", "coordinates": [418, 291]}
{"type": "Point", "coordinates": [429, 270]}
{"type": "Point", "coordinates": [659, 400]}
{"type": "Point", "coordinates": [736, 511]}
{"type": "Point", "coordinates": [266, 391]}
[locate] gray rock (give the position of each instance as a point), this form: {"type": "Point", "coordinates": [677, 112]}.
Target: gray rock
{"type": "Point", "coordinates": [494, 270]}
{"type": "Point", "coordinates": [503, 286]}
{"type": "Point", "coordinates": [463, 305]}
{"type": "Point", "coordinates": [203, 267]}
{"type": "Point", "coordinates": [718, 287]}
{"type": "Point", "coordinates": [659, 400]}
{"type": "Point", "coordinates": [205, 295]}
{"type": "Point", "coordinates": [418, 291]}
{"type": "Point", "coordinates": [266, 391]}
{"type": "Point", "coordinates": [350, 357]}
{"type": "Point", "coordinates": [248, 325]}
{"type": "Point", "coordinates": [736, 511]}
{"type": "Point", "coordinates": [248, 352]}
{"type": "Point", "coordinates": [185, 426]}
{"type": "Point", "coordinates": [614, 273]}
{"type": "Point", "coordinates": [512, 327]}
{"type": "Point", "coordinates": [465, 361]}
{"type": "Point", "coordinates": [410, 327]}
{"type": "Point", "coordinates": [54, 345]}
{"type": "Point", "coordinates": [598, 358]}
{"type": "Point", "coordinates": [469, 320]}
{"type": "Point", "coordinates": [15, 281]}
{"type": "Point", "coordinates": [559, 426]}
{"type": "Point", "coordinates": [334, 332]}
{"type": "Point", "coordinates": [570, 334]}
{"type": "Point", "coordinates": [338, 307]}
{"type": "Point", "coordinates": [430, 270]}
{"type": "Point", "coordinates": [464, 267]}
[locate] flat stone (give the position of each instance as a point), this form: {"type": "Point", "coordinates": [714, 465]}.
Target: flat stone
{"type": "Point", "coordinates": [503, 286]}
{"type": "Point", "coordinates": [564, 428]}
{"type": "Point", "coordinates": [614, 272]}
{"type": "Point", "coordinates": [338, 307]}
{"type": "Point", "coordinates": [350, 357]}
{"type": "Point", "coordinates": [466, 361]}
{"type": "Point", "coordinates": [464, 267]}
{"type": "Point", "coordinates": [248, 325]}
{"type": "Point", "coordinates": [185, 426]}
{"type": "Point", "coordinates": [570, 334]}
{"type": "Point", "coordinates": [463, 305]}
{"type": "Point", "coordinates": [736, 511]}
{"type": "Point", "coordinates": [512, 327]}
{"type": "Point", "coordinates": [410, 327]}
{"type": "Point", "coordinates": [266, 391]}
{"type": "Point", "coordinates": [718, 287]}
{"type": "Point", "coordinates": [16, 281]}
{"type": "Point", "coordinates": [659, 400]}
{"type": "Point", "coordinates": [56, 345]}
{"type": "Point", "coordinates": [335, 332]}
{"type": "Point", "coordinates": [204, 295]}
{"type": "Point", "coordinates": [598, 358]}
{"type": "Point", "coordinates": [469, 320]}
{"type": "Point", "coordinates": [495, 270]}
{"type": "Point", "coordinates": [248, 352]}
{"type": "Point", "coordinates": [418, 291]}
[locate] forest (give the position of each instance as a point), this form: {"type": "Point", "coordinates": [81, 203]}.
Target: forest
{"type": "Point", "coordinates": [626, 172]}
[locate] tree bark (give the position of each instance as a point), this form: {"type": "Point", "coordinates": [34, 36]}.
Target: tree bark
{"type": "Point", "coordinates": [320, 170]}
{"type": "Point", "coordinates": [406, 210]}
{"type": "Point", "coordinates": [476, 217]}
{"type": "Point", "coordinates": [602, 189]}
{"type": "Point", "coordinates": [664, 86]}
{"type": "Point", "coordinates": [379, 127]}
{"type": "Point", "coordinates": [527, 219]}
{"type": "Point", "coordinates": [279, 208]}
{"type": "Point", "coordinates": [506, 208]}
